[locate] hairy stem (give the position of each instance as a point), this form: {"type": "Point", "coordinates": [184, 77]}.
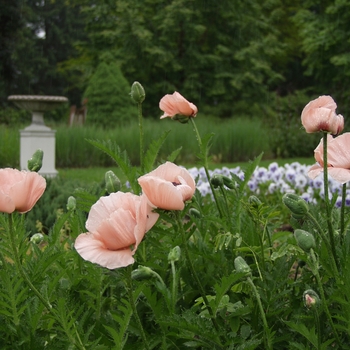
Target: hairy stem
{"type": "Point", "coordinates": [133, 306]}
{"type": "Point", "coordinates": [193, 271]}
{"type": "Point", "coordinates": [205, 165]}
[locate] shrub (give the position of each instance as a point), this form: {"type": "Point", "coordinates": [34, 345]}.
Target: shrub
{"type": "Point", "coordinates": [109, 102]}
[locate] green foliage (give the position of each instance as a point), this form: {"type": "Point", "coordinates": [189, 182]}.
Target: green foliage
{"type": "Point", "coordinates": [108, 97]}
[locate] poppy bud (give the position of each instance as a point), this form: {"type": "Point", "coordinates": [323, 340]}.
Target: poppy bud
{"type": "Point", "coordinates": [142, 272]}
{"type": "Point", "coordinates": [194, 213]}
{"type": "Point", "coordinates": [311, 299]}
{"type": "Point", "coordinates": [113, 183]}
{"type": "Point", "coordinates": [137, 92]}
{"type": "Point", "coordinates": [217, 180]}
{"type": "Point", "coordinates": [296, 205]}
{"type": "Point", "coordinates": [37, 238]}
{"type": "Point", "coordinates": [71, 203]}
{"type": "Point", "coordinates": [228, 182]}
{"type": "Point", "coordinates": [174, 254]}
{"type": "Point", "coordinates": [254, 201]}
{"type": "Point", "coordinates": [305, 240]}
{"type": "Point", "coordinates": [241, 265]}
{"type": "Point", "coordinates": [35, 163]}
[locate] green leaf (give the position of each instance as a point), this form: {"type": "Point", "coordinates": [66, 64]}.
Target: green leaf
{"type": "Point", "coordinates": [174, 154]}
{"type": "Point", "coordinates": [153, 150]}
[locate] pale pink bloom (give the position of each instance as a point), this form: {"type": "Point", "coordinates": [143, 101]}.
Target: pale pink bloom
{"type": "Point", "coordinates": [320, 115]}
{"type": "Point", "coordinates": [19, 190]}
{"type": "Point", "coordinates": [338, 158]}
{"type": "Point", "coordinates": [116, 224]}
{"type": "Point", "coordinates": [168, 186]}
{"type": "Point", "coordinates": [175, 104]}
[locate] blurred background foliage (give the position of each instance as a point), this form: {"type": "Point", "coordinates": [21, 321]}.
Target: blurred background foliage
{"type": "Point", "coordinates": [260, 59]}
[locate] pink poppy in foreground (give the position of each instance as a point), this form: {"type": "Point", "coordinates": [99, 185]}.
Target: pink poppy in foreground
{"type": "Point", "coordinates": [175, 104]}
{"type": "Point", "coordinates": [19, 190]}
{"type": "Point", "coordinates": [116, 224]}
{"type": "Point", "coordinates": [319, 115]}
{"type": "Point", "coordinates": [168, 186]}
{"type": "Point", "coordinates": [338, 158]}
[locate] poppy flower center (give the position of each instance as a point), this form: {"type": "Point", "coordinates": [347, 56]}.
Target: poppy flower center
{"type": "Point", "coordinates": [176, 183]}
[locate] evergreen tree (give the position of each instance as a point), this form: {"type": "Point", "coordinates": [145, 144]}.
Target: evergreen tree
{"type": "Point", "coordinates": [109, 103]}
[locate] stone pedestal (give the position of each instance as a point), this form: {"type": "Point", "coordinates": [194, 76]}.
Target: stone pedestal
{"type": "Point", "coordinates": [35, 137]}
{"type": "Point", "coordinates": [38, 135]}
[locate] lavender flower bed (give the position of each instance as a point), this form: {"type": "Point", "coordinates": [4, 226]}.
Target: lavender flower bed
{"type": "Point", "coordinates": [290, 178]}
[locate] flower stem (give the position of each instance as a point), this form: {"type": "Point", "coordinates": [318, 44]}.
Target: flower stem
{"type": "Point", "coordinates": [326, 197]}
{"type": "Point", "coordinates": [139, 109]}
{"type": "Point", "coordinates": [193, 271]}
{"type": "Point", "coordinates": [19, 266]}
{"type": "Point", "coordinates": [133, 306]}
{"type": "Point", "coordinates": [205, 165]}
{"type": "Point", "coordinates": [262, 312]}
{"type": "Point", "coordinates": [174, 286]}
{"type": "Point", "coordinates": [342, 213]}
{"type": "Point", "coordinates": [315, 271]}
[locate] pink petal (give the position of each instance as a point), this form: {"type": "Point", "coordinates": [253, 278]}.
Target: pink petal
{"type": "Point", "coordinates": [91, 248]}
{"type": "Point", "coordinates": [6, 204]}
{"type": "Point", "coordinates": [161, 193]}
{"type": "Point", "coordinates": [314, 171]}
{"type": "Point", "coordinates": [339, 174]}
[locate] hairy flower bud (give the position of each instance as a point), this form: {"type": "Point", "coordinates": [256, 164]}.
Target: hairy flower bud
{"type": "Point", "coordinates": [35, 163]}
{"type": "Point", "coordinates": [142, 272]}
{"type": "Point", "coordinates": [37, 238]}
{"type": "Point", "coordinates": [194, 213]}
{"type": "Point", "coordinates": [241, 265]}
{"type": "Point", "coordinates": [137, 92]}
{"type": "Point", "coordinates": [71, 203]}
{"type": "Point", "coordinates": [311, 299]}
{"type": "Point", "coordinates": [296, 205]}
{"type": "Point", "coordinates": [113, 183]}
{"type": "Point", "coordinates": [305, 240]}
{"type": "Point", "coordinates": [217, 180]}
{"type": "Point", "coordinates": [228, 182]}
{"type": "Point", "coordinates": [254, 201]}
{"type": "Point", "coordinates": [174, 254]}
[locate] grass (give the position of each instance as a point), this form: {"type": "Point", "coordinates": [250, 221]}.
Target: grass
{"type": "Point", "coordinates": [96, 174]}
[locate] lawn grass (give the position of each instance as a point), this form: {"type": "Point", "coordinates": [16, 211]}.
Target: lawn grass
{"type": "Point", "coordinates": [96, 174]}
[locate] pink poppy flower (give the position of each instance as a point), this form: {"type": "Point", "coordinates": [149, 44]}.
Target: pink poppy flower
{"type": "Point", "coordinates": [319, 115]}
{"type": "Point", "coordinates": [19, 190]}
{"type": "Point", "coordinates": [338, 158]}
{"type": "Point", "coordinates": [116, 224]}
{"type": "Point", "coordinates": [175, 104]}
{"type": "Point", "coordinates": [168, 186]}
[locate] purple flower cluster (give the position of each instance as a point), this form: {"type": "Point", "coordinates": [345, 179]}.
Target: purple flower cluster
{"type": "Point", "coordinates": [290, 178]}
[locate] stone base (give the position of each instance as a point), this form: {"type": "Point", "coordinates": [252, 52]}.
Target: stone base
{"type": "Point", "coordinates": [36, 137]}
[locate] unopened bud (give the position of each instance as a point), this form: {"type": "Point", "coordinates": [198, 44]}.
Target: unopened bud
{"type": "Point", "coordinates": [217, 180]}
{"type": "Point", "coordinates": [241, 265]}
{"type": "Point", "coordinates": [137, 92]}
{"type": "Point", "coordinates": [228, 182]}
{"type": "Point", "coordinates": [305, 240]}
{"type": "Point", "coordinates": [113, 183]}
{"type": "Point", "coordinates": [37, 238]}
{"type": "Point", "coordinates": [254, 201]}
{"type": "Point", "coordinates": [174, 254]}
{"type": "Point", "coordinates": [71, 203]}
{"type": "Point", "coordinates": [311, 299]}
{"type": "Point", "coordinates": [296, 205]}
{"type": "Point", "coordinates": [35, 163]}
{"type": "Point", "coordinates": [142, 272]}
{"type": "Point", "coordinates": [194, 213]}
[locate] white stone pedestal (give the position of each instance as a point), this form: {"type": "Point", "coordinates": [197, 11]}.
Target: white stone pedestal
{"type": "Point", "coordinates": [38, 136]}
